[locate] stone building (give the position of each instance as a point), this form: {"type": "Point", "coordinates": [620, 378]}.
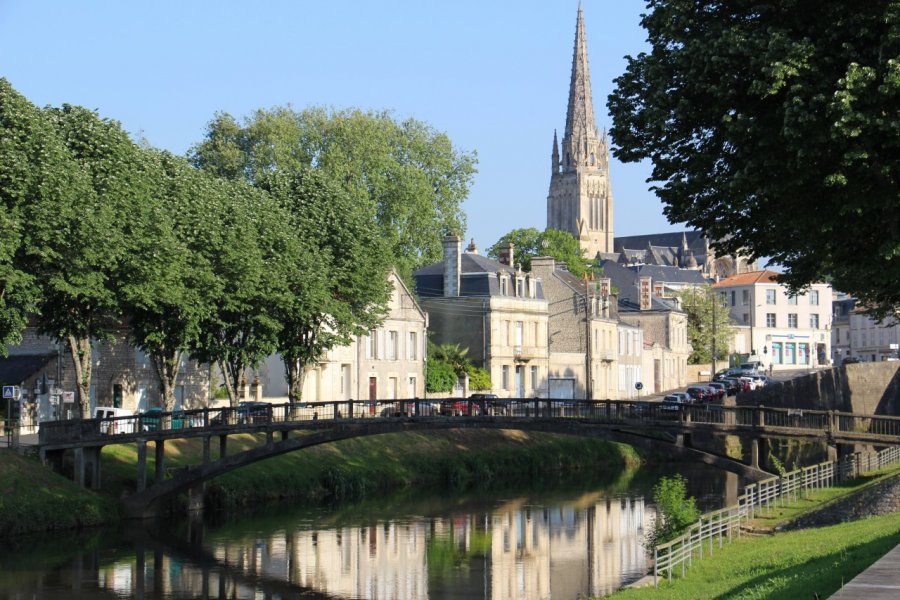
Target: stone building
{"type": "Point", "coordinates": [122, 376]}
{"type": "Point", "coordinates": [388, 363]}
{"type": "Point", "coordinates": [856, 334]}
{"type": "Point", "coordinates": [663, 325]}
{"type": "Point", "coordinates": [495, 310]}
{"type": "Point", "coordinates": [684, 250]}
{"type": "Point", "coordinates": [582, 334]}
{"type": "Point", "coordinates": [775, 327]}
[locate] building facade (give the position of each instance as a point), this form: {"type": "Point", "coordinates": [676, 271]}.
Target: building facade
{"type": "Point", "coordinates": [387, 363]}
{"type": "Point", "coordinates": [496, 311]}
{"type": "Point", "coordinates": [779, 329]}
{"type": "Point", "coordinates": [856, 335]}
{"type": "Point", "coordinates": [582, 334]}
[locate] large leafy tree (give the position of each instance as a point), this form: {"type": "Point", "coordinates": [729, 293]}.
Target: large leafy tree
{"type": "Point", "coordinates": [338, 282]}
{"type": "Point", "coordinates": [709, 323]}
{"type": "Point", "coordinates": [30, 159]}
{"type": "Point", "coordinates": [167, 284]}
{"type": "Point", "coordinates": [775, 127]}
{"type": "Point", "coordinates": [530, 242]}
{"type": "Point", "coordinates": [410, 174]}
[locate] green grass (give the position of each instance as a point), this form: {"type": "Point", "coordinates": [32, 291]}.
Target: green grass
{"type": "Point", "coordinates": [811, 563]}
{"type": "Point", "coordinates": [34, 498]}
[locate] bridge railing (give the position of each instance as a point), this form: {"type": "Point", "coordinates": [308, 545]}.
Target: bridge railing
{"type": "Point", "coordinates": [714, 527]}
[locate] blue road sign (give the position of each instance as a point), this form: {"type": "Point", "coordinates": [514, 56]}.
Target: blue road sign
{"type": "Point", "coordinates": [9, 391]}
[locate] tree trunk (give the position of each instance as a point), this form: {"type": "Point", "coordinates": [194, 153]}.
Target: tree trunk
{"type": "Point", "coordinates": [229, 385]}
{"type": "Point", "coordinates": [296, 375]}
{"type": "Point", "coordinates": [167, 366]}
{"type": "Point", "coordinates": [81, 356]}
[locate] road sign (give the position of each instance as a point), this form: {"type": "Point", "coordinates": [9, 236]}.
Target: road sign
{"type": "Point", "coordinates": [10, 392]}
{"type": "Point", "coordinates": [638, 386]}
{"type": "Point", "coordinates": [68, 396]}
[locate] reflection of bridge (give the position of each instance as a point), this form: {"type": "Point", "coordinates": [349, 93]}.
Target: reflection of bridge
{"type": "Point", "coordinates": [304, 425]}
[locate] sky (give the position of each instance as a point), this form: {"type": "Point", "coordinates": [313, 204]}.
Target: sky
{"type": "Point", "coordinates": [493, 75]}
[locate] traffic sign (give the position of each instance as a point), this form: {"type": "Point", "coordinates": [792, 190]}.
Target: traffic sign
{"type": "Point", "coordinates": [68, 396]}
{"type": "Point", "coordinates": [10, 392]}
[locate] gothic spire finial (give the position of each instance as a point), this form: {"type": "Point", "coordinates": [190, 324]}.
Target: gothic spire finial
{"type": "Point", "coordinates": [580, 115]}
{"type": "Point", "coordinates": [555, 154]}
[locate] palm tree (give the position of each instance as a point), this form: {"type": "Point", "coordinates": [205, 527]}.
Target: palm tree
{"type": "Point", "coordinates": [452, 354]}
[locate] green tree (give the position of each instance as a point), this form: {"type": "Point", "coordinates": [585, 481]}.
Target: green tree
{"type": "Point", "coordinates": [708, 320]}
{"type": "Point", "coordinates": [27, 151]}
{"type": "Point", "coordinates": [439, 376]}
{"type": "Point", "coordinates": [675, 511]}
{"type": "Point", "coordinates": [775, 129]}
{"type": "Point", "coordinates": [338, 284]}
{"type": "Point", "coordinates": [410, 173]}
{"type": "Point", "coordinates": [529, 242]}
{"type": "Point", "coordinates": [452, 354]}
{"type": "Point", "coordinates": [479, 379]}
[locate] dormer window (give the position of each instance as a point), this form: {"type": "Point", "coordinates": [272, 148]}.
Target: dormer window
{"type": "Point", "coordinates": [520, 287]}
{"type": "Point", "coordinates": [503, 285]}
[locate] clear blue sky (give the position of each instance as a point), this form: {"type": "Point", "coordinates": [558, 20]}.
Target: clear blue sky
{"type": "Point", "coordinates": [493, 75]}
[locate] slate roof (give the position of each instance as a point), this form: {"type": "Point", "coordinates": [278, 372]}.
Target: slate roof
{"type": "Point", "coordinates": [627, 281]}
{"type": "Point", "coordinates": [672, 274]}
{"type": "Point", "coordinates": [475, 278]}
{"type": "Point", "coordinates": [671, 240]}
{"type": "Point", "coordinates": [17, 368]}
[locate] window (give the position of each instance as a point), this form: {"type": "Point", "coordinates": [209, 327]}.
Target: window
{"type": "Point", "coordinates": [519, 328]}
{"type": "Point", "coordinates": [505, 377]}
{"type": "Point", "coordinates": [814, 298]}
{"type": "Point", "coordinates": [792, 300]}
{"type": "Point", "coordinates": [392, 345]}
{"type": "Point", "coordinates": [770, 297]}
{"type": "Point", "coordinates": [412, 346]}
{"type": "Point", "coordinates": [814, 321]}
{"type": "Point", "coordinates": [520, 287]}
{"type": "Point", "coordinates": [746, 318]}
{"type": "Point", "coordinates": [792, 320]}
{"type": "Point", "coordinates": [372, 344]}
{"type": "Point", "coordinates": [770, 320]}
{"type": "Point", "coordinates": [733, 295]}
{"type": "Point", "coordinates": [534, 378]}
{"type": "Point", "coordinates": [503, 286]}
{"type": "Point", "coordinates": [745, 298]}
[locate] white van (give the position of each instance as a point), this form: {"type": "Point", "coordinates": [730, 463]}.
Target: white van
{"type": "Point", "coordinates": [120, 425]}
{"type": "Point", "coordinates": [752, 368]}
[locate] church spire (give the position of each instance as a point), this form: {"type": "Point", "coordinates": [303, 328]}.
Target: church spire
{"type": "Point", "coordinates": [555, 154]}
{"type": "Point", "coordinates": [580, 124]}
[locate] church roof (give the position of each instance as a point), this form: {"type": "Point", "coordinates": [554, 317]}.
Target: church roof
{"type": "Point", "coordinates": [580, 112]}
{"type": "Point", "coordinates": [672, 274]}
{"type": "Point", "coordinates": [672, 239]}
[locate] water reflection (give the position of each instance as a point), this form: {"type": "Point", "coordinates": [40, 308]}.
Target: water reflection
{"type": "Point", "coordinates": [586, 543]}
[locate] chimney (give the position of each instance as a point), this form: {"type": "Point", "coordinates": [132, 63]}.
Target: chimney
{"type": "Point", "coordinates": [658, 288]}
{"type": "Point", "coordinates": [605, 287]}
{"type": "Point", "coordinates": [452, 258]}
{"type": "Point", "coordinates": [644, 289]}
{"type": "Point", "coordinates": [472, 248]}
{"type": "Point", "coordinates": [506, 254]}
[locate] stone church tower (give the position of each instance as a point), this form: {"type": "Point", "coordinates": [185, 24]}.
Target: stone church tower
{"type": "Point", "coordinates": [580, 199]}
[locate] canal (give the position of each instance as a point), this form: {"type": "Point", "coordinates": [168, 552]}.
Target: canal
{"type": "Point", "coordinates": [560, 542]}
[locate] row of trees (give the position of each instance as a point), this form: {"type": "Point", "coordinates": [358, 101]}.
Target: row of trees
{"type": "Point", "coordinates": [100, 232]}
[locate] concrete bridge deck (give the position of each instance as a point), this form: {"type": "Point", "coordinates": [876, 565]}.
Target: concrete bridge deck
{"type": "Point", "coordinates": [881, 581]}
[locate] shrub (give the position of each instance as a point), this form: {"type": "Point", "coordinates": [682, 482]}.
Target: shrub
{"type": "Point", "coordinates": [439, 376]}
{"type": "Point", "coordinates": [479, 379]}
{"type": "Point", "coordinates": [675, 512]}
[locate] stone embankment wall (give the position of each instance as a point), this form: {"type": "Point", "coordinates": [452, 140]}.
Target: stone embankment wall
{"type": "Point", "coordinates": [871, 388]}
{"type": "Point", "coordinates": [880, 499]}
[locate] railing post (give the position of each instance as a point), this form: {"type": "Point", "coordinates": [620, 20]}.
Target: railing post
{"type": "Point", "coordinates": [761, 416]}
{"type": "Point", "coordinates": [655, 567]}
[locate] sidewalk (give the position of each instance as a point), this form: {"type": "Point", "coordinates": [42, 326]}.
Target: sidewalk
{"type": "Point", "coordinates": [881, 580]}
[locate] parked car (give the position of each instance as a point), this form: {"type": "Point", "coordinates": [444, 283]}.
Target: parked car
{"type": "Point", "coordinates": [492, 403]}
{"type": "Point", "coordinates": [119, 424]}
{"type": "Point", "coordinates": [720, 389]}
{"type": "Point", "coordinates": [254, 412]}
{"type": "Point", "coordinates": [458, 408]}
{"type": "Point", "coordinates": [683, 397]}
{"type": "Point", "coordinates": [673, 403]}
{"type": "Point", "coordinates": [701, 393]}
{"type": "Point", "coordinates": [848, 360]}
{"type": "Point", "coordinates": [154, 419]}
{"type": "Point", "coordinates": [752, 368]}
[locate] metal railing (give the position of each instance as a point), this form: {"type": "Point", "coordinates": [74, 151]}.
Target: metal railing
{"type": "Point", "coordinates": [715, 527]}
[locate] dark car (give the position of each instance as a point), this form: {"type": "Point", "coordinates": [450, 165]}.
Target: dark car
{"type": "Point", "coordinates": [254, 412]}
{"type": "Point", "coordinates": [701, 393]}
{"type": "Point", "coordinates": [492, 403]}
{"type": "Point", "coordinates": [672, 403]}
{"type": "Point", "coordinates": [851, 359]}
{"type": "Point", "coordinates": [458, 408]}
{"type": "Point", "coordinates": [719, 388]}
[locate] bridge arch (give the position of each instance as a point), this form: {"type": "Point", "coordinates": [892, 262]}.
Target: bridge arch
{"type": "Point", "coordinates": [146, 503]}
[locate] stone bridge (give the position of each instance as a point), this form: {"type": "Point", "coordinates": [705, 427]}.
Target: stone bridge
{"type": "Point", "coordinates": [290, 427]}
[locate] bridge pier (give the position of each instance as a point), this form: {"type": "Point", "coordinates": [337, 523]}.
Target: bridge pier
{"type": "Point", "coordinates": [195, 498]}
{"type": "Point", "coordinates": [160, 461]}
{"type": "Point", "coordinates": [141, 465]}
{"type": "Point", "coordinates": [758, 447]}
{"type": "Point", "coordinates": [223, 445]}
{"type": "Point", "coordinates": [87, 459]}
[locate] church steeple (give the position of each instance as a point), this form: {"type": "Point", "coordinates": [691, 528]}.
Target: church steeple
{"type": "Point", "coordinates": [580, 197]}
{"type": "Point", "coordinates": [580, 126]}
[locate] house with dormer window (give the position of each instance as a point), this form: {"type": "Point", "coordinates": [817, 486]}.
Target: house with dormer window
{"type": "Point", "coordinates": [495, 310]}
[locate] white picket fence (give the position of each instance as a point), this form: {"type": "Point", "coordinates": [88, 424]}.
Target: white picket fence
{"type": "Point", "coordinates": [715, 528]}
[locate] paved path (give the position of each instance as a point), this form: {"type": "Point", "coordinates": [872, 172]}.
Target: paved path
{"type": "Point", "coordinates": [881, 580]}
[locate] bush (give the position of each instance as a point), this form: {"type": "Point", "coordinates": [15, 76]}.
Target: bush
{"type": "Point", "coordinates": [439, 376]}
{"type": "Point", "coordinates": [479, 379]}
{"type": "Point", "coordinates": [675, 512]}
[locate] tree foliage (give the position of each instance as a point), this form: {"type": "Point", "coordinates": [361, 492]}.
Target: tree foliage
{"type": "Point", "coordinates": [529, 242]}
{"type": "Point", "coordinates": [775, 129]}
{"type": "Point", "coordinates": [409, 173]}
{"type": "Point", "coordinates": [708, 320]}
{"type": "Point", "coordinates": [675, 511]}
{"type": "Point", "coordinates": [439, 376]}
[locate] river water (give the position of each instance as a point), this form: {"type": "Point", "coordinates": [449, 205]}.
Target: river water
{"type": "Point", "coordinates": [562, 542]}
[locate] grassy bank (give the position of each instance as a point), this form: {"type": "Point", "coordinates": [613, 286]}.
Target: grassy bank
{"type": "Point", "coordinates": [811, 563]}
{"type": "Point", "coordinates": [33, 498]}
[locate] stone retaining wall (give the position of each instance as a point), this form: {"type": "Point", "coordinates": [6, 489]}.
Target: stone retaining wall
{"type": "Point", "coordinates": [880, 499]}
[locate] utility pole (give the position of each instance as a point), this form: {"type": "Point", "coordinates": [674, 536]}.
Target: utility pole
{"type": "Point", "coordinates": [715, 300]}
{"type": "Point", "coordinates": [589, 375]}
